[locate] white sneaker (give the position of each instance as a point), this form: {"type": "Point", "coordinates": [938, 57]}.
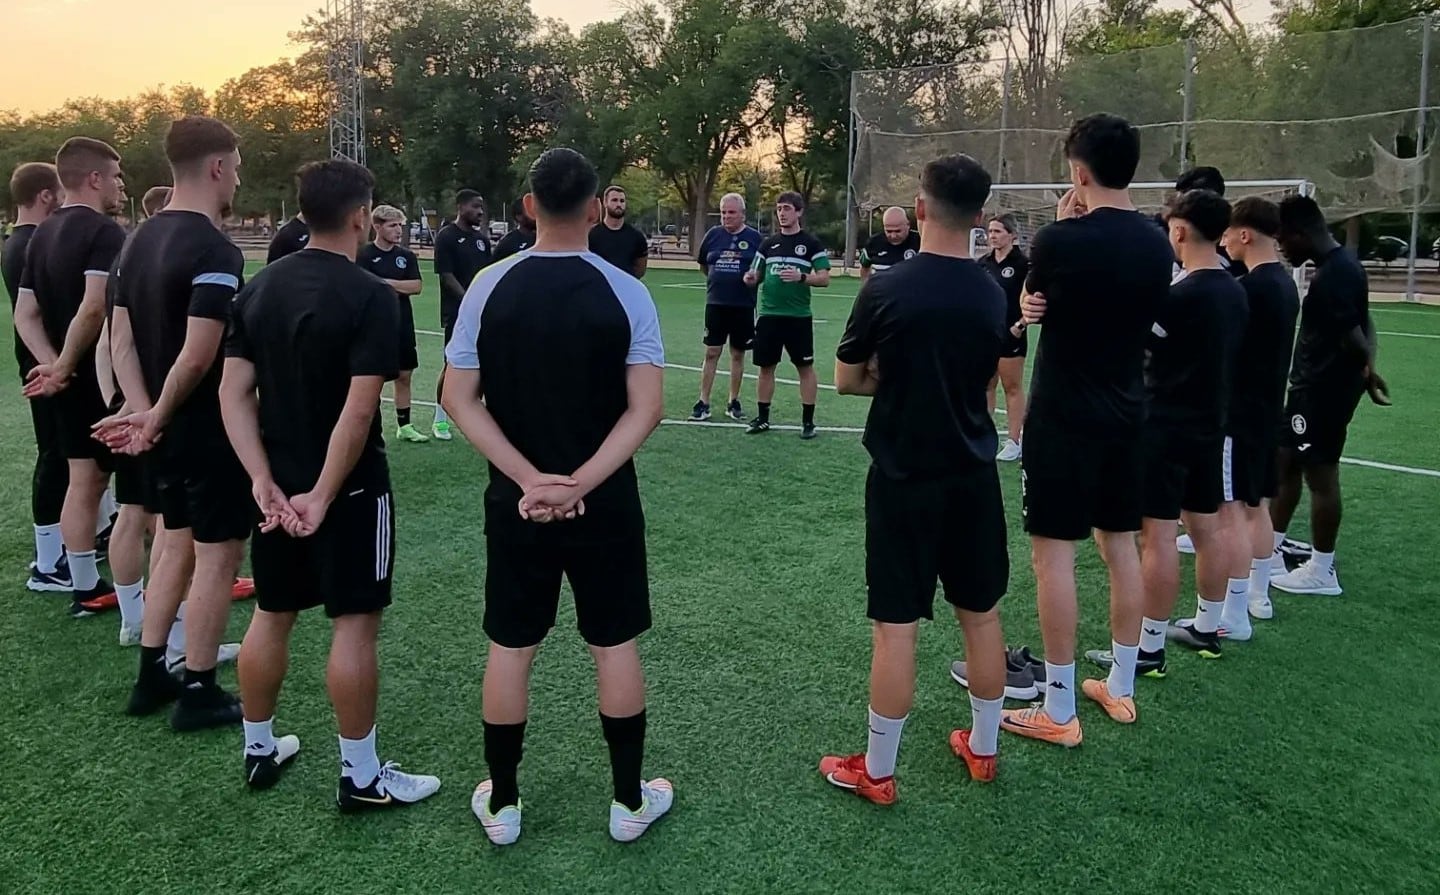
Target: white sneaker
{"type": "Point", "coordinates": [502, 828]}
{"type": "Point", "coordinates": [1308, 579]}
{"type": "Point", "coordinates": [225, 655]}
{"type": "Point", "coordinates": [1260, 606]}
{"type": "Point", "coordinates": [1185, 544]}
{"type": "Point", "coordinates": [441, 431]}
{"type": "Point", "coordinates": [129, 636]}
{"type": "Point", "coordinates": [656, 798]}
{"type": "Point", "coordinates": [1009, 452]}
{"type": "Point", "coordinates": [1237, 629]}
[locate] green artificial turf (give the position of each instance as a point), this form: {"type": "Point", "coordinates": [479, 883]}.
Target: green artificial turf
{"type": "Point", "coordinates": [1305, 761]}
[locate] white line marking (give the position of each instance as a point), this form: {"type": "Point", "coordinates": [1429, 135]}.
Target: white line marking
{"type": "Point", "coordinates": [681, 286]}
{"type": "Point", "coordinates": [778, 380]}
{"type": "Point", "coordinates": [711, 424]}
{"type": "Point", "coordinates": [1390, 467]}
{"type": "Point", "coordinates": [1416, 313]}
{"type": "Point", "coordinates": [1381, 332]}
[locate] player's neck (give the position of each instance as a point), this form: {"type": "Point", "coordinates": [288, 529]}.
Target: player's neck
{"type": "Point", "coordinates": [90, 200]}
{"type": "Point", "coordinates": [385, 245]}
{"type": "Point", "coordinates": [790, 230]}
{"type": "Point", "coordinates": [1200, 257]}
{"type": "Point", "coordinates": [34, 216]}
{"type": "Point", "coordinates": [1100, 197]}
{"type": "Point", "coordinates": [186, 198]}
{"type": "Point", "coordinates": [1256, 257]}
{"type": "Point", "coordinates": [1002, 254]}
{"type": "Point", "coordinates": [342, 243]}
{"type": "Point", "coordinates": [1323, 247]}
{"type": "Point", "coordinates": [614, 223]}
{"type": "Point", "coordinates": [563, 236]}
{"type": "Point", "coordinates": [946, 243]}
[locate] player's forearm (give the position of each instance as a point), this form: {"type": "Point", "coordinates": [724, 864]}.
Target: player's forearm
{"type": "Point", "coordinates": [1360, 345]}
{"type": "Point", "coordinates": [347, 443]}
{"type": "Point", "coordinates": [126, 363]}
{"type": "Point", "coordinates": [642, 264]}
{"type": "Point", "coordinates": [470, 415]}
{"type": "Point", "coordinates": [104, 372]}
{"type": "Point", "coordinates": [634, 426]}
{"type": "Point", "coordinates": [854, 379]}
{"type": "Point", "coordinates": [82, 335]}
{"type": "Point", "coordinates": [240, 411]}
{"type": "Point", "coordinates": [405, 287]}
{"type": "Point", "coordinates": [450, 287]}
{"type": "Point", "coordinates": [179, 385]}
{"type": "Point", "coordinates": [819, 279]}
{"type": "Point", "coordinates": [864, 274]}
{"type": "Point", "coordinates": [31, 327]}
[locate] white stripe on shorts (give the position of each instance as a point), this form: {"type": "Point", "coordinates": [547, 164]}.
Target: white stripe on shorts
{"type": "Point", "coordinates": [382, 536]}
{"type": "Point", "coordinates": [1227, 474]}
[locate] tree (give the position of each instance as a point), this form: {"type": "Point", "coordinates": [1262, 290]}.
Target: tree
{"type": "Point", "coordinates": [280, 120]}
{"type": "Point", "coordinates": [1114, 26]}
{"type": "Point", "coordinates": [1304, 16]}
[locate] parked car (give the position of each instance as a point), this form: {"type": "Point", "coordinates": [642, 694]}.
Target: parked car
{"type": "Point", "coordinates": [1389, 248]}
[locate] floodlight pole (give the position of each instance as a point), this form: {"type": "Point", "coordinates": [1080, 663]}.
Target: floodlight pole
{"type": "Point", "coordinates": [1187, 104]}
{"type": "Point", "coordinates": [1004, 117]}
{"type": "Point", "coordinates": [347, 83]}
{"type": "Point", "coordinates": [850, 188]}
{"type": "Point", "coordinates": [1410, 288]}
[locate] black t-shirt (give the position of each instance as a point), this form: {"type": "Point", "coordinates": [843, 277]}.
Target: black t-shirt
{"type": "Point", "coordinates": [12, 267]}
{"type": "Point", "coordinates": [553, 336]}
{"type": "Point", "coordinates": [1194, 344]}
{"type": "Point", "coordinates": [1257, 394]}
{"type": "Point", "coordinates": [292, 236]}
{"type": "Point", "coordinates": [514, 242]}
{"type": "Point", "coordinates": [1103, 276]}
{"type": "Point", "coordinates": [309, 324]}
{"type": "Point", "coordinates": [1337, 301]}
{"type": "Point", "coordinates": [176, 266]}
{"type": "Point", "coordinates": [75, 243]}
{"type": "Point", "coordinates": [1010, 274]}
{"type": "Point", "coordinates": [460, 251]}
{"type": "Point", "coordinates": [620, 247]}
{"type": "Point", "coordinates": [882, 254]}
{"type": "Point", "coordinates": [396, 263]}
{"type": "Point", "coordinates": [936, 326]}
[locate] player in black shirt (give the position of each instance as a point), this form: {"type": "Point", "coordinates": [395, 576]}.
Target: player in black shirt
{"type": "Point", "coordinates": [616, 241]}
{"type": "Point", "coordinates": [1257, 396]}
{"type": "Point", "coordinates": [923, 339]}
{"type": "Point", "coordinates": [59, 312]}
{"type": "Point", "coordinates": [1193, 349]}
{"type": "Point", "coordinates": [291, 237]}
{"type": "Point", "coordinates": [1334, 365]}
{"type": "Point", "coordinates": [556, 377]}
{"type": "Point", "coordinates": [462, 248]}
{"type": "Point", "coordinates": [1097, 276]}
{"type": "Point", "coordinates": [178, 275]}
{"type": "Point", "coordinates": [895, 244]}
{"type": "Point", "coordinates": [311, 343]}
{"type": "Point", "coordinates": [35, 189]}
{"type": "Point", "coordinates": [400, 269]}
{"type": "Point", "coordinates": [1009, 266]}
{"type": "Point", "coordinates": [1205, 177]}
{"type": "Point", "coordinates": [519, 239]}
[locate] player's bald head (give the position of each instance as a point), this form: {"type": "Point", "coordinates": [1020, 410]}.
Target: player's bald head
{"type": "Point", "coordinates": [897, 224]}
{"type": "Point", "coordinates": [896, 215]}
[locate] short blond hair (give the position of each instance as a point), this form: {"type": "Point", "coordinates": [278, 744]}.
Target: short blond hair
{"type": "Point", "coordinates": [156, 198]}
{"type": "Point", "coordinates": [385, 214]}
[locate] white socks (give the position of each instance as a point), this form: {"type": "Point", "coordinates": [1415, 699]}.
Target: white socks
{"type": "Point", "coordinates": [108, 509]}
{"type": "Point", "coordinates": [1121, 681]}
{"type": "Point", "coordinates": [440, 416]}
{"type": "Point", "coordinates": [358, 760]}
{"type": "Point", "coordinates": [260, 737]}
{"type": "Point", "coordinates": [1060, 692]}
{"type": "Point", "coordinates": [1279, 539]}
{"type": "Point", "coordinates": [884, 745]}
{"type": "Point", "coordinates": [49, 547]}
{"type": "Point", "coordinates": [985, 724]}
{"type": "Point", "coordinates": [132, 603]}
{"type": "Point", "coordinates": [1259, 583]}
{"type": "Point", "coordinates": [1323, 562]}
{"type": "Point", "coordinates": [84, 573]}
{"type": "Point", "coordinates": [1207, 615]}
{"type": "Point", "coordinates": [1152, 634]}
{"type": "Point", "coordinates": [1237, 599]}
{"type": "Point", "coordinates": [175, 643]}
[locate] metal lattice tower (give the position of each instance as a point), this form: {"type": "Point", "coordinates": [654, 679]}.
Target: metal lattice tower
{"type": "Point", "coordinates": [347, 106]}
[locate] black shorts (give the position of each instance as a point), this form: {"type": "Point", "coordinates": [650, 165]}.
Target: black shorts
{"type": "Point", "coordinates": [610, 580]}
{"type": "Point", "coordinates": [729, 322]}
{"type": "Point", "coordinates": [409, 355]}
{"type": "Point", "coordinates": [1015, 347]}
{"type": "Point", "coordinates": [1182, 472]}
{"type": "Point", "coordinates": [1318, 421]}
{"type": "Point", "coordinates": [917, 532]}
{"type": "Point", "coordinates": [794, 335]}
{"type": "Point", "coordinates": [449, 313]}
{"type": "Point", "coordinates": [347, 566]}
{"type": "Point", "coordinates": [77, 409]}
{"type": "Point", "coordinates": [1249, 473]}
{"type": "Point", "coordinates": [1072, 482]}
{"type": "Point", "coordinates": [133, 484]}
{"type": "Point", "coordinates": [200, 485]}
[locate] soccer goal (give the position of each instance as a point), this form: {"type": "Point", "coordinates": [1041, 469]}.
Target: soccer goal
{"type": "Point", "coordinates": [1032, 205]}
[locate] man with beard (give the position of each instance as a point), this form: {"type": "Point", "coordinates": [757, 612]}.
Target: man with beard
{"type": "Point", "coordinates": [462, 248]}
{"type": "Point", "coordinates": [616, 241]}
{"type": "Point", "coordinates": [59, 312]}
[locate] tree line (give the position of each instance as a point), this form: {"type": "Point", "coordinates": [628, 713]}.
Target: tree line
{"type": "Point", "coordinates": [679, 97]}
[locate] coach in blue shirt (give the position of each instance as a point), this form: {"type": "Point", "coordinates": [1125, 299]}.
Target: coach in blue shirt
{"type": "Point", "coordinates": [726, 252]}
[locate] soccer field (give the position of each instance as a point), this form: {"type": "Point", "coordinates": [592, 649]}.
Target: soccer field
{"type": "Point", "coordinates": [1272, 770]}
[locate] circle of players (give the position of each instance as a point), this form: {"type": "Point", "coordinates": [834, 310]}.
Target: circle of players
{"type": "Point", "coordinates": [148, 363]}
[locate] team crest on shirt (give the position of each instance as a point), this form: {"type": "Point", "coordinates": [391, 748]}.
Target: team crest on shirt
{"type": "Point", "coordinates": [744, 245]}
{"type": "Point", "coordinates": [909, 253]}
{"type": "Point", "coordinates": [1008, 272]}
{"type": "Point", "coordinates": [1297, 424]}
{"type": "Point", "coordinates": [801, 250]}
{"type": "Point", "coordinates": [480, 244]}
{"type": "Point", "coordinates": [401, 262]}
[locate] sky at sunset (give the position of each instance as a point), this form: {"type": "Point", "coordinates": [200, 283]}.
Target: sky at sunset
{"type": "Point", "coordinates": [116, 48]}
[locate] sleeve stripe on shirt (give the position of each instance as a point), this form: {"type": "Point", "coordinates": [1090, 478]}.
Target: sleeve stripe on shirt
{"type": "Point", "coordinates": [24, 290]}
{"type": "Point", "coordinates": [217, 279]}
{"type": "Point", "coordinates": [97, 273]}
